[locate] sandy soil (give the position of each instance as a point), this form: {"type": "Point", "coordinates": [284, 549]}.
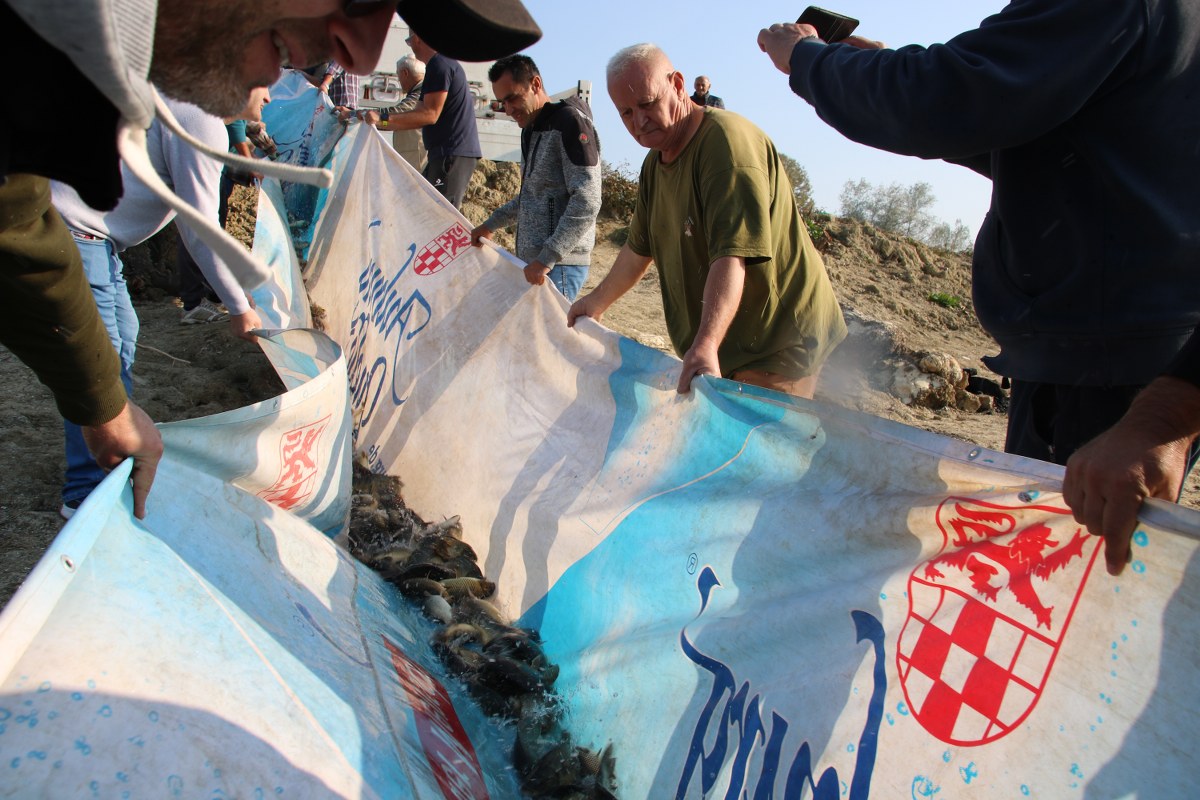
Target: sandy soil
{"type": "Point", "coordinates": [185, 372]}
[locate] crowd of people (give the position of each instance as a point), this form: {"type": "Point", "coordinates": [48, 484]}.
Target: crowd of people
{"type": "Point", "coordinates": [1083, 118]}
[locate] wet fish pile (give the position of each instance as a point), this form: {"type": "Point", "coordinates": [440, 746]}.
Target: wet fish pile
{"type": "Point", "coordinates": [502, 667]}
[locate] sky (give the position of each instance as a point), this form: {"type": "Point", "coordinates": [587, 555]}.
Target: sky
{"type": "Point", "coordinates": [718, 39]}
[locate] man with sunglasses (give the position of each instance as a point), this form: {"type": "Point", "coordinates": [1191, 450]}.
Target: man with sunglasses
{"type": "Point", "coordinates": [555, 212]}
{"type": "Point", "coordinates": [207, 52]}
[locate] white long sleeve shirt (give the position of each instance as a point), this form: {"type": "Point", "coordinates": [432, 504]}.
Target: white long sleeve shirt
{"type": "Point", "coordinates": [193, 176]}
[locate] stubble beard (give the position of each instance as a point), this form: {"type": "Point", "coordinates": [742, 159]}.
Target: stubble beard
{"type": "Point", "coordinates": [198, 55]}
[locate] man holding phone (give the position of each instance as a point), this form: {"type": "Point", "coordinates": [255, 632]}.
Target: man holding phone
{"type": "Point", "coordinates": [1085, 269]}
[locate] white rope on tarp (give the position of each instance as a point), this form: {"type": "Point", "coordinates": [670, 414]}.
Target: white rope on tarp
{"type": "Point", "coordinates": [313, 176]}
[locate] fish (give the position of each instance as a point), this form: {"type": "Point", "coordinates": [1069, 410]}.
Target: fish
{"type": "Point", "coordinates": [509, 676]}
{"type": "Point", "coordinates": [514, 644]}
{"type": "Point", "coordinates": [434, 572]}
{"type": "Point", "coordinates": [453, 526]}
{"type": "Point", "coordinates": [437, 607]}
{"type": "Point", "coordinates": [364, 500]}
{"type": "Point", "coordinates": [558, 768]}
{"type": "Point", "coordinates": [474, 587]}
{"type": "Point", "coordinates": [465, 567]}
{"type": "Point", "coordinates": [421, 587]}
{"type": "Point", "coordinates": [395, 558]}
{"type": "Point", "coordinates": [447, 548]}
{"type": "Point", "coordinates": [472, 609]}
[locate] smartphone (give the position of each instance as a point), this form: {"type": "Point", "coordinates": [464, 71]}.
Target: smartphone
{"type": "Point", "coordinates": [831, 27]}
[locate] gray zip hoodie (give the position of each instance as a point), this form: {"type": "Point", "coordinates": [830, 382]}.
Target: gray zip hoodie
{"type": "Point", "coordinates": [555, 211]}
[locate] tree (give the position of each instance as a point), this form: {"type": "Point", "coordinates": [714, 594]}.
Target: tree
{"type": "Point", "coordinates": [801, 186]}
{"type": "Point", "coordinates": [856, 200]}
{"type": "Point", "coordinates": [898, 209]}
{"type": "Point", "coordinates": [956, 238]}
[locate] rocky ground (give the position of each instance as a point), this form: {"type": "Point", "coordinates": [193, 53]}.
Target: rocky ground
{"type": "Point", "coordinates": [912, 327]}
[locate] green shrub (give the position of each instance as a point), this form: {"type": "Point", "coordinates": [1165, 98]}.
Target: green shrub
{"type": "Point", "coordinates": [816, 230]}
{"type": "Point", "coordinates": [618, 191]}
{"type": "Point", "coordinates": [945, 300]}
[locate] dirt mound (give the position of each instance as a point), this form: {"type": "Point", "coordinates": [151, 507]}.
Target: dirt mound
{"type": "Point", "coordinates": [493, 183]}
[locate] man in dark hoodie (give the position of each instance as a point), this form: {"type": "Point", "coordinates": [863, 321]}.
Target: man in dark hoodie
{"type": "Point", "coordinates": [1086, 267]}
{"type": "Point", "coordinates": [556, 210]}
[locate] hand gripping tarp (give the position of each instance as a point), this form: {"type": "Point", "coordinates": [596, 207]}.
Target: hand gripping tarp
{"type": "Point", "coordinates": [749, 595]}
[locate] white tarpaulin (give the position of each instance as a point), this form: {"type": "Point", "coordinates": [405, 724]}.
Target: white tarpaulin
{"type": "Point", "coordinates": [751, 594]}
{"type": "Point", "coordinates": [748, 595]}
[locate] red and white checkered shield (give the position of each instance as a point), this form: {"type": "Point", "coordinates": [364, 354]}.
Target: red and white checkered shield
{"type": "Point", "coordinates": [444, 248]}
{"type": "Point", "coordinates": [987, 615]}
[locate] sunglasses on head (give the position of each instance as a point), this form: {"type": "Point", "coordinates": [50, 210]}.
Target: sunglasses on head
{"type": "Point", "coordinates": [362, 8]}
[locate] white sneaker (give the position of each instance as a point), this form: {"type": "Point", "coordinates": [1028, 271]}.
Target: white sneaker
{"type": "Point", "coordinates": [204, 313]}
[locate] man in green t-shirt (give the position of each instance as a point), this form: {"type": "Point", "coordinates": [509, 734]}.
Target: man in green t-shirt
{"type": "Point", "coordinates": [745, 293]}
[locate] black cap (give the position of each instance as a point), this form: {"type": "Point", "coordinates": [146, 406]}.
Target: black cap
{"type": "Point", "coordinates": [471, 30]}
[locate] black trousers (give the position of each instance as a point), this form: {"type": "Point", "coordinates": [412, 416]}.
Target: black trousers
{"type": "Point", "coordinates": [1049, 421]}
{"type": "Point", "coordinates": [450, 175]}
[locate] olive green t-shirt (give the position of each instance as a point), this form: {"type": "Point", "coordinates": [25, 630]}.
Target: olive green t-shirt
{"type": "Point", "coordinates": [728, 195]}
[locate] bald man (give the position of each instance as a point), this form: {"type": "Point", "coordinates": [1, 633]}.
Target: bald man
{"type": "Point", "coordinates": [745, 292]}
{"type": "Point", "coordinates": [704, 97]}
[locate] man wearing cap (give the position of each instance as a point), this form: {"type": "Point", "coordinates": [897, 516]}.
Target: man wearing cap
{"type": "Point", "coordinates": [446, 117]}
{"type": "Point", "coordinates": [208, 52]}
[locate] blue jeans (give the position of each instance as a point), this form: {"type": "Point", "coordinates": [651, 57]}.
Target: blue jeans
{"type": "Point", "coordinates": [568, 279]}
{"type": "Point", "coordinates": [106, 275]}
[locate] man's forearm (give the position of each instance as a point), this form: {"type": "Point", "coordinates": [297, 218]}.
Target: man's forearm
{"type": "Point", "coordinates": [48, 317]}
{"type": "Point", "coordinates": [722, 296]}
{"type": "Point", "coordinates": [626, 271]}
{"type": "Point", "coordinates": [419, 117]}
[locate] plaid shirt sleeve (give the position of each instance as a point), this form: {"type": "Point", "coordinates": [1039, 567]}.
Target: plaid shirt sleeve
{"type": "Point", "coordinates": [344, 90]}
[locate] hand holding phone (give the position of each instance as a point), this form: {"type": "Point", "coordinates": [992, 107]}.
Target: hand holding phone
{"type": "Point", "coordinates": [831, 27]}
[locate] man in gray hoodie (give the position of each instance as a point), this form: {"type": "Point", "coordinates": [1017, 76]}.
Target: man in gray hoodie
{"type": "Point", "coordinates": [556, 209]}
{"type": "Point", "coordinates": [208, 52]}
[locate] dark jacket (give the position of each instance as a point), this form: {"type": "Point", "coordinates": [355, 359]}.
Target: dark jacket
{"type": "Point", "coordinates": [1085, 117]}
{"type": "Point", "coordinates": [48, 317]}
{"type": "Point", "coordinates": [556, 210]}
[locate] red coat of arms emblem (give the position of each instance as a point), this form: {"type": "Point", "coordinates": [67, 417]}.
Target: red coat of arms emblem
{"type": "Point", "coordinates": [987, 615]}
{"type": "Point", "coordinates": [298, 466]}
{"type": "Point", "coordinates": [442, 250]}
